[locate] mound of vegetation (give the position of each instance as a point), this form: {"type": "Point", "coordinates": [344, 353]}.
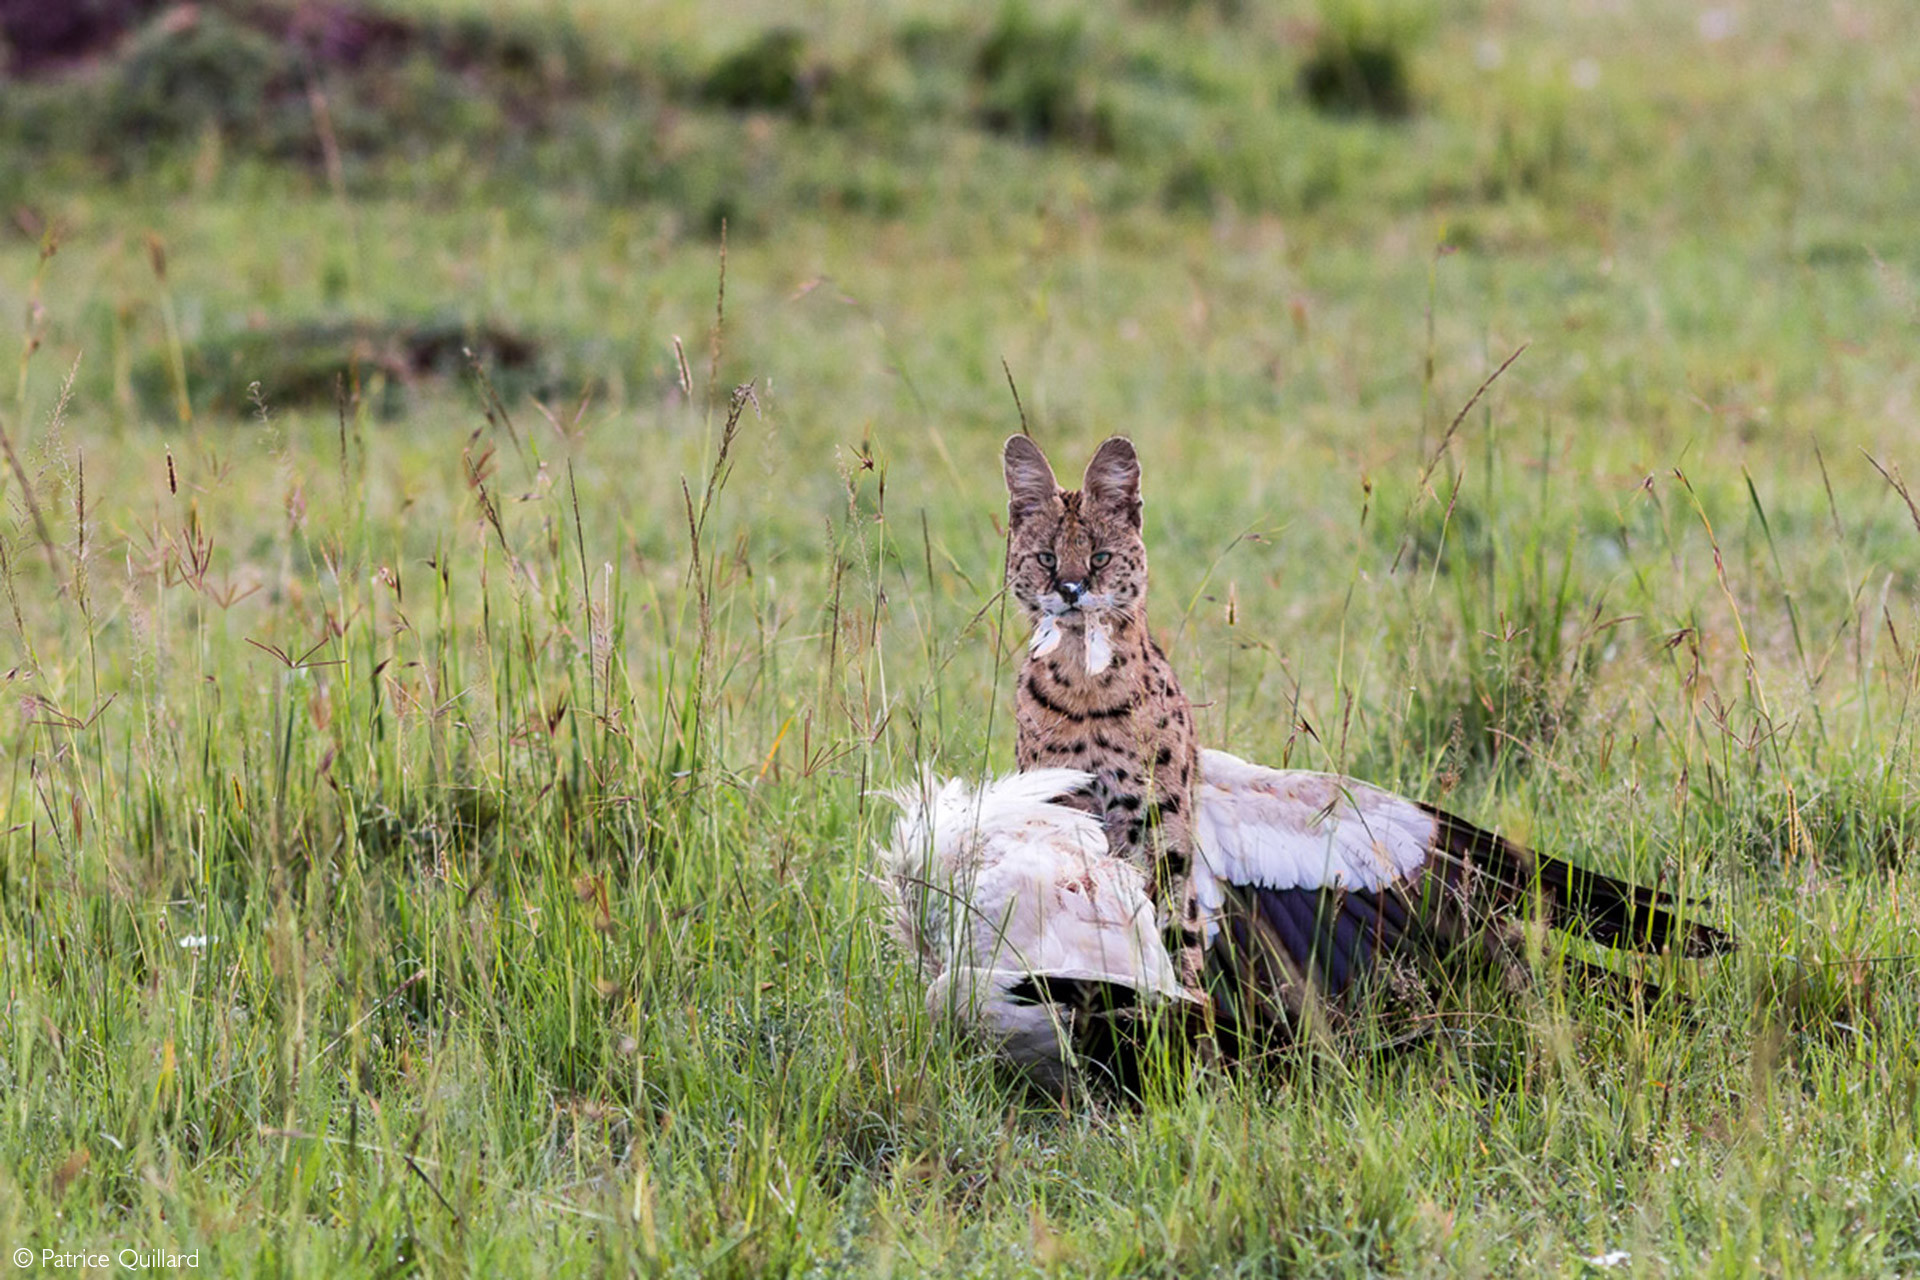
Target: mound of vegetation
{"type": "Point", "coordinates": [372, 95]}
{"type": "Point", "coordinates": [316, 361]}
{"type": "Point", "coordinates": [121, 84]}
{"type": "Point", "coordinates": [1036, 82]}
{"type": "Point", "coordinates": [1351, 76]}
{"type": "Point", "coordinates": [1359, 64]}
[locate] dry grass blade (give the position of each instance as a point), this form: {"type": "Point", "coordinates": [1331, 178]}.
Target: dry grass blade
{"type": "Point", "coordinates": [492, 406]}
{"type": "Point", "coordinates": [1014, 388]}
{"type": "Point", "coordinates": [27, 498]}
{"type": "Point", "coordinates": [1446, 437]}
{"type": "Point", "coordinates": [1899, 486]}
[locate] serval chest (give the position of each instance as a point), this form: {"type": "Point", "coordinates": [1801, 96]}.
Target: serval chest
{"type": "Point", "coordinates": [1129, 726]}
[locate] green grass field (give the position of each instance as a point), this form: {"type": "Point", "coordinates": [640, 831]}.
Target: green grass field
{"type": "Point", "coordinates": [433, 833]}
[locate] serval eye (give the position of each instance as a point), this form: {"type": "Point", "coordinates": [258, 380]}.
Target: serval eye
{"type": "Point", "coordinates": [1048, 560]}
{"type": "Point", "coordinates": [1100, 558]}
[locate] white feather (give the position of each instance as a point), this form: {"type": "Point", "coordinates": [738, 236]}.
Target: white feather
{"type": "Point", "coordinates": [1290, 828]}
{"type": "Point", "coordinates": [994, 884]}
{"type": "Point", "coordinates": [1099, 647]}
{"type": "Point", "coordinates": [1046, 637]}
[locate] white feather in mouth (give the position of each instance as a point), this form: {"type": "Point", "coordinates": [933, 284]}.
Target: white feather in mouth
{"type": "Point", "coordinates": [1099, 647]}
{"type": "Point", "coordinates": [1048, 634]}
{"type": "Point", "coordinates": [1046, 637]}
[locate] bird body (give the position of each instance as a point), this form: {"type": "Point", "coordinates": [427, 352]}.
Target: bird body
{"type": "Point", "coordinates": [1029, 930]}
{"type": "Point", "coordinates": [1036, 934]}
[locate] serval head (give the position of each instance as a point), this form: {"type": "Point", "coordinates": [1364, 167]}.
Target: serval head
{"type": "Point", "coordinates": [1075, 560]}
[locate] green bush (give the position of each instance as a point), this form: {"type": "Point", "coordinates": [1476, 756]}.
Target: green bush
{"type": "Point", "coordinates": [768, 73]}
{"type": "Point", "coordinates": [1035, 82]}
{"type": "Point", "coordinates": [1350, 79]}
{"type": "Point", "coordinates": [174, 80]}
{"type": "Point", "coordinates": [310, 362]}
{"type": "Point", "coordinates": [1359, 64]}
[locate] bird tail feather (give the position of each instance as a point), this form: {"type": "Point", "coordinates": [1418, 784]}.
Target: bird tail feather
{"type": "Point", "coordinates": [1612, 912]}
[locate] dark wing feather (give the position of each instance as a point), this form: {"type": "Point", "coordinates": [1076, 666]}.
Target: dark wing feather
{"type": "Point", "coordinates": [1496, 876]}
{"type": "Point", "coordinates": [1117, 1035]}
{"type": "Point", "coordinates": [1281, 954]}
{"type": "Point", "coordinates": [1335, 936]}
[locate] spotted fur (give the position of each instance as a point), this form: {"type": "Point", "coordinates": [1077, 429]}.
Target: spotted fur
{"type": "Point", "coordinates": [1097, 693]}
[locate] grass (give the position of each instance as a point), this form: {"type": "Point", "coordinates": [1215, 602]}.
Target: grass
{"type": "Point", "coordinates": [432, 830]}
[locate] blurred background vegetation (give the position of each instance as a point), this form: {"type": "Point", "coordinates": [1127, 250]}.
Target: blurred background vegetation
{"type": "Point", "coordinates": [439, 707]}
{"type": "Point", "coordinates": [1498, 129]}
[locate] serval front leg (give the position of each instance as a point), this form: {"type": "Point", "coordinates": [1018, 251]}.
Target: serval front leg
{"type": "Point", "coordinates": [1177, 900]}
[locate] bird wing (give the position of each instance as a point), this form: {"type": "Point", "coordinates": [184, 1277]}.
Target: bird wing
{"type": "Point", "coordinates": [1332, 872]}
{"type": "Point", "coordinates": [1043, 903]}
{"type": "Point", "coordinates": [939, 839]}
{"type": "Point", "coordinates": [1291, 829]}
{"type": "Point", "coordinates": [1307, 875]}
{"type": "Point", "coordinates": [941, 819]}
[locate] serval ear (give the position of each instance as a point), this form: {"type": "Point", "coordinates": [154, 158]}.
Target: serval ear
{"type": "Point", "coordinates": [1112, 482]}
{"type": "Point", "coordinates": [1030, 482]}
